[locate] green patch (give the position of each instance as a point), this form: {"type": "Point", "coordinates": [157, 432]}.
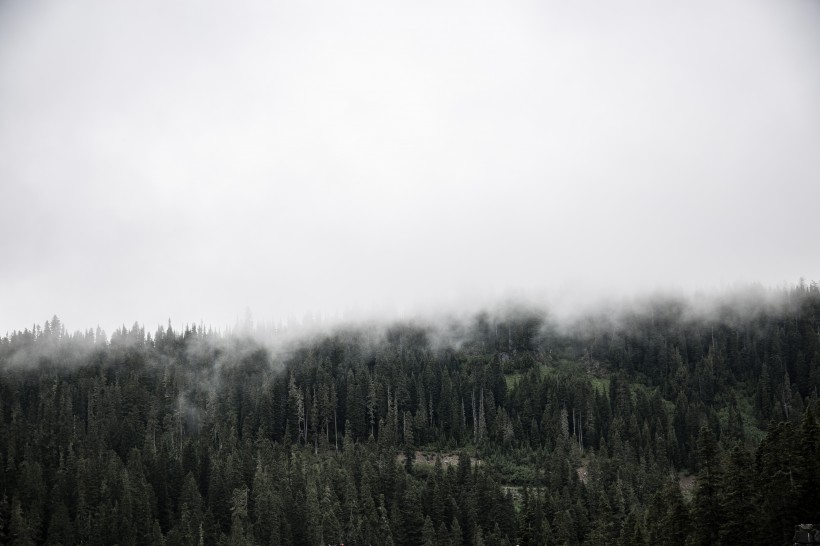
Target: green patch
{"type": "Point", "coordinates": [512, 379]}
{"type": "Point", "coordinates": [563, 367]}
{"type": "Point", "coordinates": [600, 384]}
{"type": "Point", "coordinates": [514, 473]}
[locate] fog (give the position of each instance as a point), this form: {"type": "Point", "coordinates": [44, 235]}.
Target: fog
{"type": "Point", "coordinates": [195, 160]}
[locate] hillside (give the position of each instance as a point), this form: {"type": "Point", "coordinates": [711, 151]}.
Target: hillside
{"type": "Point", "coordinates": [658, 423]}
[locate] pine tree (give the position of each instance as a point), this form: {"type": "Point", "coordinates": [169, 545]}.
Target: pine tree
{"type": "Point", "coordinates": [628, 528]}
{"type": "Point", "coordinates": [409, 444]}
{"type": "Point", "coordinates": [668, 516]}
{"type": "Point", "coordinates": [457, 537]}
{"type": "Point", "coordinates": [737, 501]}
{"type": "Point", "coordinates": [807, 471]}
{"type": "Point", "coordinates": [19, 532]}
{"type": "Point", "coordinates": [707, 513]}
{"type": "Point", "coordinates": [428, 533]}
{"type": "Point", "coordinates": [775, 465]}
{"type": "Point", "coordinates": [240, 534]}
{"type": "Point", "coordinates": [412, 517]}
{"type": "Point", "coordinates": [564, 528]}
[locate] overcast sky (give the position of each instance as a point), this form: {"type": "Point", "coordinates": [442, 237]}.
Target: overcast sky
{"type": "Point", "coordinates": [191, 159]}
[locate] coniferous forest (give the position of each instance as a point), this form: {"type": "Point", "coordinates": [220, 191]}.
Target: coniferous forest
{"type": "Point", "coordinates": [664, 422]}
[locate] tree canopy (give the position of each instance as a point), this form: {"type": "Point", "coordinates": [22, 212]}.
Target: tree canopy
{"type": "Point", "coordinates": [658, 425]}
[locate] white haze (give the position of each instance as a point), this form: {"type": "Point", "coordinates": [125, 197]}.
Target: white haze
{"type": "Point", "coordinates": [194, 159]}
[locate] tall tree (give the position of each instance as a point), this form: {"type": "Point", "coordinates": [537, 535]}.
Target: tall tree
{"type": "Point", "coordinates": [707, 509]}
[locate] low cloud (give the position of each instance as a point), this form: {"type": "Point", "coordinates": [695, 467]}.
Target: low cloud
{"type": "Point", "coordinates": [195, 159]}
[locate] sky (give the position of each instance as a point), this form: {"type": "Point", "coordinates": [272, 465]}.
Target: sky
{"type": "Point", "coordinates": [193, 160]}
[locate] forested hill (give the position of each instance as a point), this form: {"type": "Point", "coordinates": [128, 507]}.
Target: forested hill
{"type": "Point", "coordinates": [662, 423]}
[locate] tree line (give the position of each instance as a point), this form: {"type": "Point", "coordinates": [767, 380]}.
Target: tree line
{"type": "Point", "coordinates": [656, 425]}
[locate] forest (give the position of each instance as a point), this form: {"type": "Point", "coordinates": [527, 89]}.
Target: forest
{"type": "Point", "coordinates": [664, 422]}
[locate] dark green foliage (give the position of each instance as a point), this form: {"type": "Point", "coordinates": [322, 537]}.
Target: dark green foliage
{"type": "Point", "coordinates": [807, 475]}
{"type": "Point", "coordinates": [707, 509]}
{"type": "Point", "coordinates": [738, 495]}
{"type": "Point", "coordinates": [532, 435]}
{"type": "Point", "coordinates": [669, 518]}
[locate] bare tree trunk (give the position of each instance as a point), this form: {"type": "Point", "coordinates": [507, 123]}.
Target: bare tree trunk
{"type": "Point", "coordinates": [475, 419]}
{"type": "Point", "coordinates": [581, 432]}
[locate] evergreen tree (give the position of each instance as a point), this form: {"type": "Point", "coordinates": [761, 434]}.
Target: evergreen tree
{"type": "Point", "coordinates": [191, 437]}
{"type": "Point", "coordinates": [456, 535]}
{"type": "Point", "coordinates": [737, 501]}
{"type": "Point", "coordinates": [428, 533]}
{"type": "Point", "coordinates": [19, 532]}
{"type": "Point", "coordinates": [707, 510]}
{"type": "Point", "coordinates": [807, 471]}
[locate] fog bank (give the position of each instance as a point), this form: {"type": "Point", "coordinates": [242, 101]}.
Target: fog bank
{"type": "Point", "coordinates": [197, 159]}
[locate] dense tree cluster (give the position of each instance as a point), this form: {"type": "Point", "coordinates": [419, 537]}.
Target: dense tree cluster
{"type": "Point", "coordinates": [661, 425]}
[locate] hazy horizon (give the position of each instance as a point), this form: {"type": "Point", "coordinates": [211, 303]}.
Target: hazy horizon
{"type": "Point", "coordinates": [190, 161]}
{"type": "Point", "coordinates": [568, 312]}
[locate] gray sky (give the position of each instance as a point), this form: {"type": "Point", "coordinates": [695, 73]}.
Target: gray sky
{"type": "Point", "coordinates": [190, 159]}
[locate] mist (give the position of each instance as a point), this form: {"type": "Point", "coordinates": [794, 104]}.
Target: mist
{"type": "Point", "coordinates": [192, 161]}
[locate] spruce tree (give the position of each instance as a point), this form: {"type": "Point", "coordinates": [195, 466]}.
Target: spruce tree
{"type": "Point", "coordinates": [707, 510]}
{"type": "Point", "coordinates": [738, 494]}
